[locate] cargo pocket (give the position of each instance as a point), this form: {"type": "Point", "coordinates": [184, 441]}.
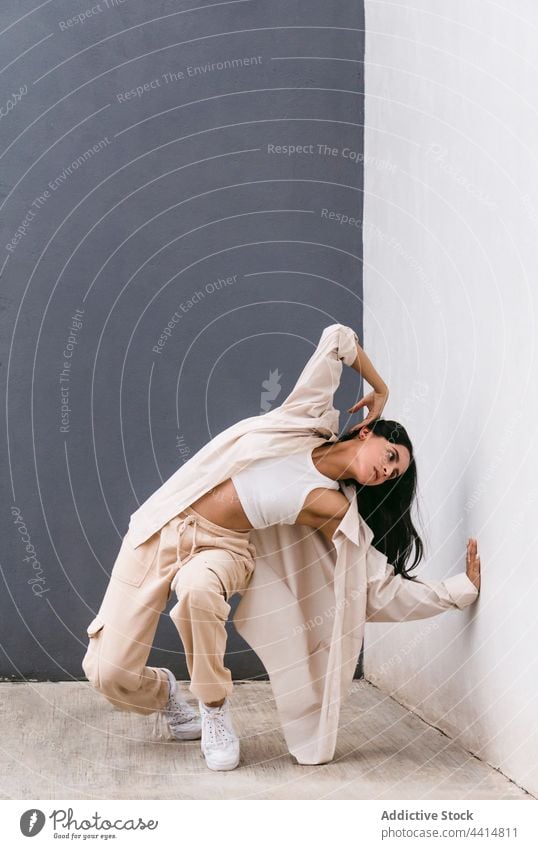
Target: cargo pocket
{"type": "Point", "coordinates": [210, 600]}
{"type": "Point", "coordinates": [221, 584]}
{"type": "Point", "coordinates": [90, 662]}
{"type": "Point", "coordinates": [233, 572]}
{"type": "Point", "coordinates": [95, 626]}
{"type": "Point", "coordinates": [133, 564]}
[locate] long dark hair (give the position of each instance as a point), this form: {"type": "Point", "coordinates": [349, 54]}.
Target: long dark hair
{"type": "Point", "coordinates": [386, 508]}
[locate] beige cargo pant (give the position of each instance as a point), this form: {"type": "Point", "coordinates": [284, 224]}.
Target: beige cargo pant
{"type": "Point", "coordinates": [204, 564]}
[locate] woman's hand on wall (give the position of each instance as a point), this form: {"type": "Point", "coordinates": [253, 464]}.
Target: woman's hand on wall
{"type": "Point", "coordinates": [375, 401]}
{"type": "Point", "coordinates": [473, 563]}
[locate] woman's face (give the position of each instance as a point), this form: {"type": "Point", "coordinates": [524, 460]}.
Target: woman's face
{"type": "Point", "coordinates": [379, 460]}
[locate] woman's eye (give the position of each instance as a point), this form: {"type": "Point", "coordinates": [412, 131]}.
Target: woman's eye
{"type": "Point", "coordinates": [392, 456]}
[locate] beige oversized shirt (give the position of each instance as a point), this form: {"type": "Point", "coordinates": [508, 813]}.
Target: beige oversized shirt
{"type": "Point", "coordinates": [305, 608]}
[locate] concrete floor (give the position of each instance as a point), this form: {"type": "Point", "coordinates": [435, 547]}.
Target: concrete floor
{"type": "Point", "coordinates": [64, 741]}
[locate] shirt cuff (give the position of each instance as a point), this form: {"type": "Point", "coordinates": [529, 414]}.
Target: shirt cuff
{"type": "Point", "coordinates": [347, 345]}
{"type": "Point", "coordinates": [461, 589]}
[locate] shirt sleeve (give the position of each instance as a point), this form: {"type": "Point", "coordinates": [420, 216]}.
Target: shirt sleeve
{"type": "Point", "coordinates": [313, 393]}
{"type": "Point", "coordinates": [391, 598]}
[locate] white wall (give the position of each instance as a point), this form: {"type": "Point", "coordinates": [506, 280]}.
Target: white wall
{"type": "Point", "coordinates": [451, 300]}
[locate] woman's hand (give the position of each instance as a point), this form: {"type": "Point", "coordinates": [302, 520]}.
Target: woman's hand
{"type": "Point", "coordinates": [375, 401]}
{"type": "Point", "coordinates": [473, 563]}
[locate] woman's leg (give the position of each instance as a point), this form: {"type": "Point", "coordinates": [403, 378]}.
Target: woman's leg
{"type": "Point", "coordinates": [221, 565]}
{"type": "Point", "coordinates": [121, 634]}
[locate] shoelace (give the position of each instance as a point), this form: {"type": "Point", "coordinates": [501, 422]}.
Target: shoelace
{"type": "Point", "coordinates": [174, 714]}
{"type": "Point", "coordinates": [160, 730]}
{"type": "Point", "coordinates": [217, 732]}
{"type": "Point", "coordinates": [179, 712]}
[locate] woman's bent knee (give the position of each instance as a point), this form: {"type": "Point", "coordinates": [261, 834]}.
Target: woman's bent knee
{"type": "Point", "coordinates": [110, 676]}
{"type": "Point", "coordinates": [117, 686]}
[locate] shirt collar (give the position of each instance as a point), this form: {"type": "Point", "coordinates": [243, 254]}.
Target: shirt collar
{"type": "Point", "coordinates": [353, 525]}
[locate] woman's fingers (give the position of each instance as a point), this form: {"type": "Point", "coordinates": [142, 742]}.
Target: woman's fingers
{"type": "Point", "coordinates": [360, 425]}
{"type": "Point", "coordinates": [473, 562]}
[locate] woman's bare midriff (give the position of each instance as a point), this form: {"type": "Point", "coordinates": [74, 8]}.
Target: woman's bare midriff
{"type": "Point", "coordinates": [222, 506]}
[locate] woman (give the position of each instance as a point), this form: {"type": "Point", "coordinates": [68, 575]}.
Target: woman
{"type": "Point", "coordinates": [303, 524]}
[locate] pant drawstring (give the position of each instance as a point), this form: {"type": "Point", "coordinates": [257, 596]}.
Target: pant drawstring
{"type": "Point", "coordinates": [189, 519]}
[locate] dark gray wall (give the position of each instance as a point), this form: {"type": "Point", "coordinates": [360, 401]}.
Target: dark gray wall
{"type": "Point", "coordinates": [130, 186]}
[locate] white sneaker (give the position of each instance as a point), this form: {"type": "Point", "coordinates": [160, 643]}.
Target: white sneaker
{"type": "Point", "coordinates": [220, 743]}
{"type": "Point", "coordinates": [177, 720]}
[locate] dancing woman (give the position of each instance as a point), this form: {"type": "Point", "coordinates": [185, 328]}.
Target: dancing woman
{"type": "Point", "coordinates": [313, 529]}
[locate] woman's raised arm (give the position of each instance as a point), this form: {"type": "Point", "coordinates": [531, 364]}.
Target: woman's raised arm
{"type": "Point", "coordinates": [375, 401]}
{"type": "Point", "coordinates": [313, 393]}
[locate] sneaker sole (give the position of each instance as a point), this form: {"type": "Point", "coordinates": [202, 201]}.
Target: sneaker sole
{"type": "Point", "coordinates": [221, 767]}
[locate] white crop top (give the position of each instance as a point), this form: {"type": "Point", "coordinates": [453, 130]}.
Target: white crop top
{"type": "Point", "coordinates": [272, 490]}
